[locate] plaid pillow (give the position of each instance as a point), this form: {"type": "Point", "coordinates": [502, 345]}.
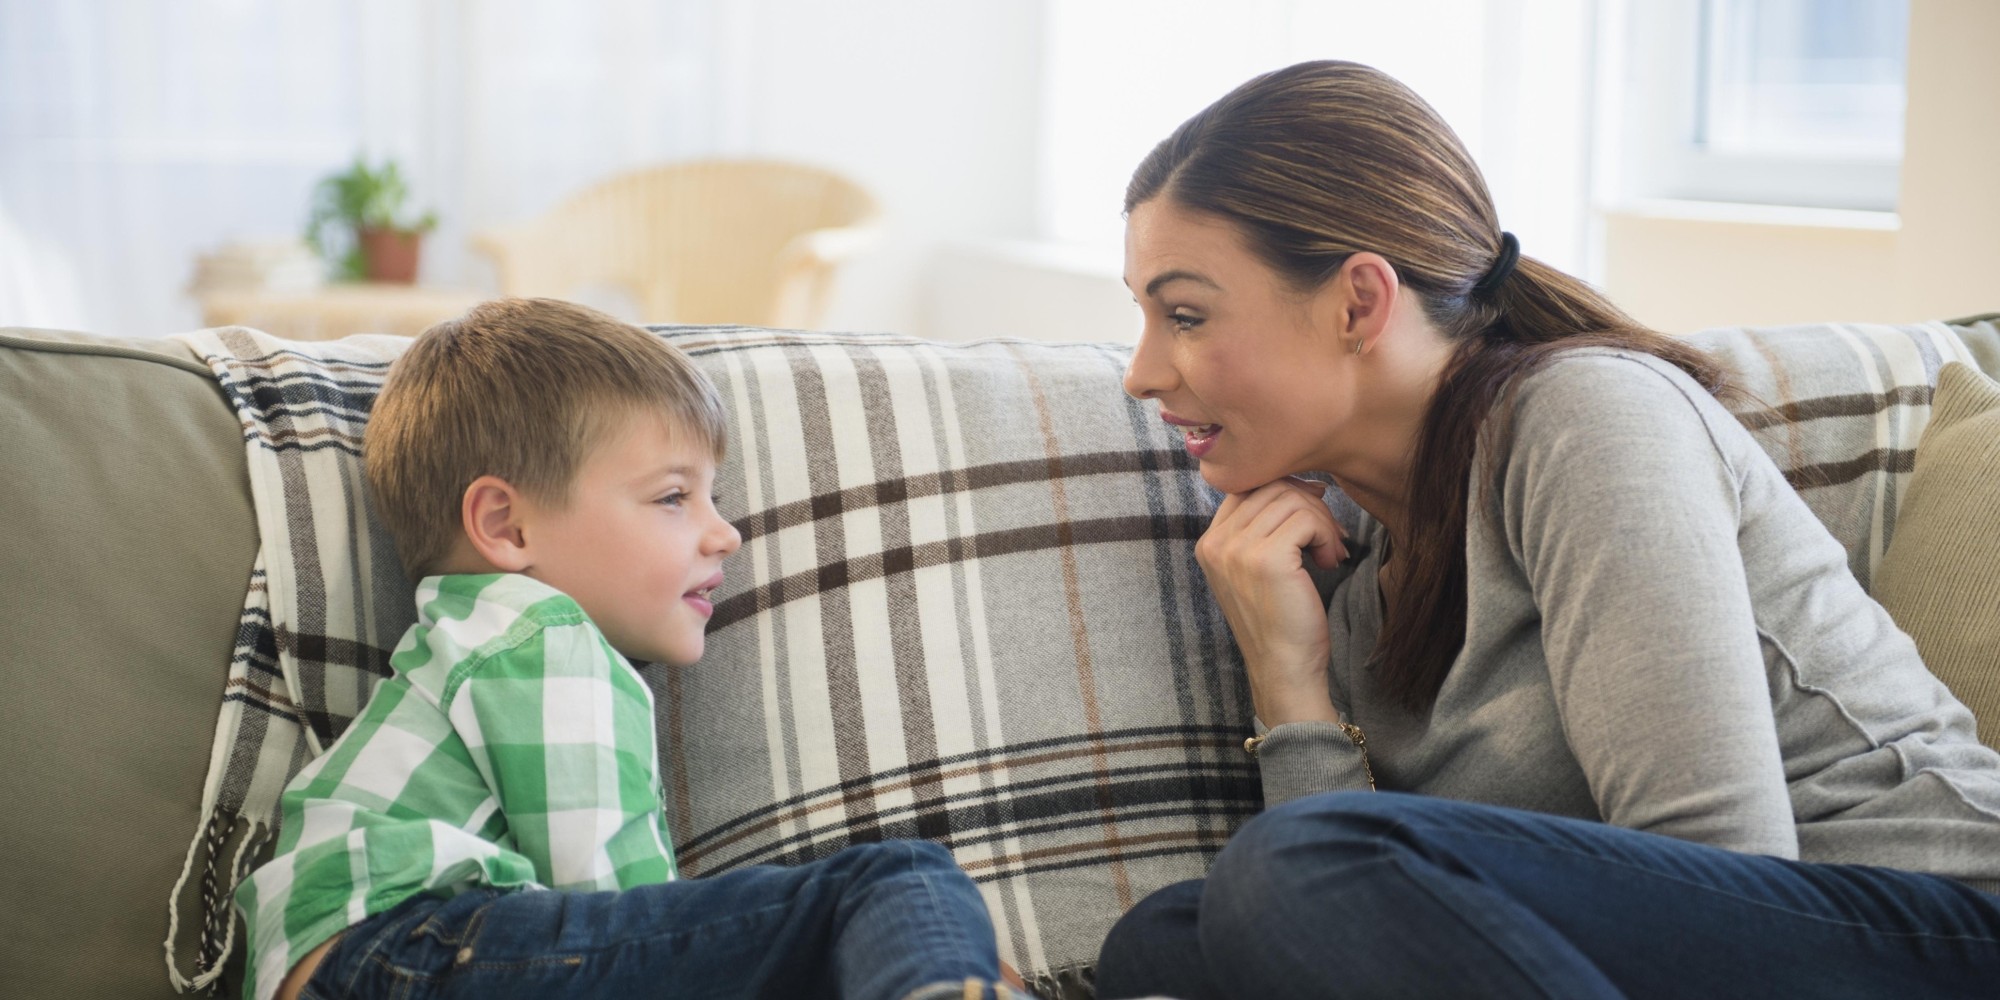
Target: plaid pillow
{"type": "Point", "coordinates": [966, 610]}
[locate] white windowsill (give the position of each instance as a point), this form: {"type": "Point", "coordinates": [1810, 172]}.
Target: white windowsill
{"type": "Point", "coordinates": [1756, 215]}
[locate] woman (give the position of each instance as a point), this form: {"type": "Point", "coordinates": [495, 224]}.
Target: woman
{"type": "Point", "coordinates": [1664, 744]}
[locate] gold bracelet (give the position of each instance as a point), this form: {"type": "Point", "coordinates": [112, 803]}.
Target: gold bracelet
{"type": "Point", "coordinates": [1254, 744]}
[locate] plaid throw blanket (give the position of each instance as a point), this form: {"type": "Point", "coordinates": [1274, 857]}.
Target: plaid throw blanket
{"type": "Point", "coordinates": [326, 602]}
{"type": "Point", "coordinates": [1840, 407]}
{"type": "Point", "coordinates": [966, 608]}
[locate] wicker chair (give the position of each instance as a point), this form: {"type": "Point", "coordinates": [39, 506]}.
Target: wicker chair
{"type": "Point", "coordinates": [708, 241]}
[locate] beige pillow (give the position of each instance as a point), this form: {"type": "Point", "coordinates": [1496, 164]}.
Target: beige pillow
{"type": "Point", "coordinates": [1940, 579]}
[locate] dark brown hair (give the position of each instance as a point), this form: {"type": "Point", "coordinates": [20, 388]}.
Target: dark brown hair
{"type": "Point", "coordinates": [1322, 160]}
{"type": "Point", "coordinates": [522, 389]}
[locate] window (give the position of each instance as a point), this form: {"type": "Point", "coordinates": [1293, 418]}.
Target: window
{"type": "Point", "coordinates": [1814, 78]}
{"type": "Point", "coordinates": [1779, 102]}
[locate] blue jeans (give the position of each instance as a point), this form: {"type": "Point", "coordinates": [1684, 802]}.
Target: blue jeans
{"type": "Point", "coordinates": [877, 921]}
{"type": "Point", "coordinates": [1374, 894]}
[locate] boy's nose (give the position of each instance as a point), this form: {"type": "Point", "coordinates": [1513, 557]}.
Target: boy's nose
{"type": "Point", "coordinates": [723, 537]}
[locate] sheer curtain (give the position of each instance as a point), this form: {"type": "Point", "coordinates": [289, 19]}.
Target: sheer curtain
{"type": "Point", "coordinates": [135, 134]}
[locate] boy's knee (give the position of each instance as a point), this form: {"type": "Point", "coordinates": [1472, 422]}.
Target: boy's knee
{"type": "Point", "coordinates": [925, 855]}
{"type": "Point", "coordinates": [893, 856]}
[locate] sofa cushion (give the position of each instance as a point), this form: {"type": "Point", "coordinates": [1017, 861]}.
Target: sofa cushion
{"type": "Point", "coordinates": [1941, 578]}
{"type": "Point", "coordinates": [1982, 337]}
{"type": "Point", "coordinates": [967, 610]}
{"type": "Point", "coordinates": [125, 515]}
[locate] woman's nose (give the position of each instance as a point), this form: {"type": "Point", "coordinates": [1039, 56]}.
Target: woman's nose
{"type": "Point", "coordinates": [1147, 375]}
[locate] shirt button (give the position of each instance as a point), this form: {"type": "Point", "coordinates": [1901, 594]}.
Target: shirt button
{"type": "Point", "coordinates": [464, 955]}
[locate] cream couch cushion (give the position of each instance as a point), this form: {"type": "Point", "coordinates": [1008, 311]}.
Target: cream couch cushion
{"type": "Point", "coordinates": [1940, 579]}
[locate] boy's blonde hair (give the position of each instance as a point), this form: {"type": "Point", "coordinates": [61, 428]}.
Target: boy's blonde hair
{"type": "Point", "coordinates": [521, 389]}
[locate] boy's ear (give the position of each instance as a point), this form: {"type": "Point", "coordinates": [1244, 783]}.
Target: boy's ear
{"type": "Point", "coordinates": [491, 512]}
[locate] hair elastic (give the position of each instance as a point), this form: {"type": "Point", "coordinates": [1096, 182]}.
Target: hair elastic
{"type": "Point", "coordinates": [1503, 265]}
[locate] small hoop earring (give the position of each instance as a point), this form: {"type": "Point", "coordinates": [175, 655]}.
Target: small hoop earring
{"type": "Point", "coordinates": [1358, 345]}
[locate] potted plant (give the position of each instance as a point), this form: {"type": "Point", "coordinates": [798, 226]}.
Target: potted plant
{"type": "Point", "coordinates": [360, 222]}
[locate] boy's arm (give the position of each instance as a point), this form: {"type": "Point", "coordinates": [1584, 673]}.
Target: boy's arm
{"type": "Point", "coordinates": [562, 728]}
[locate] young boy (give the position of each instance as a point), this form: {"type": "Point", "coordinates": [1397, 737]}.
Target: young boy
{"type": "Point", "coordinates": [546, 473]}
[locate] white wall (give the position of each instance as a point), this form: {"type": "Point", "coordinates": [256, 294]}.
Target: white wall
{"type": "Point", "coordinates": [930, 105]}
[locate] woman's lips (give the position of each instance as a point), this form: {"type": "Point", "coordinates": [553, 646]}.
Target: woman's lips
{"type": "Point", "coordinates": [1199, 437]}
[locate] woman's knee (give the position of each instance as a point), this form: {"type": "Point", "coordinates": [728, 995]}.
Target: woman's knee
{"type": "Point", "coordinates": [1278, 862]}
{"type": "Point", "coordinates": [1328, 827]}
{"type": "Point", "coordinates": [1168, 915]}
{"type": "Point", "coordinates": [1152, 949]}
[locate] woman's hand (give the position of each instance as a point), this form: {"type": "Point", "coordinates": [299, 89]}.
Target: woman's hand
{"type": "Point", "coordinates": [1253, 554]}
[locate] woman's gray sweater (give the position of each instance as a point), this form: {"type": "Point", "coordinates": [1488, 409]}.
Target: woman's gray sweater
{"type": "Point", "coordinates": [1661, 635]}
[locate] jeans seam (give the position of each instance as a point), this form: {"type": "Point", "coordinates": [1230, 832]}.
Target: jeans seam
{"type": "Point", "coordinates": [1401, 825]}
{"type": "Point", "coordinates": [524, 963]}
{"type": "Point", "coordinates": [964, 944]}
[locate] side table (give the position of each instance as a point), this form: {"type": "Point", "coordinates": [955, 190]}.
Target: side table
{"type": "Point", "coordinates": [334, 311]}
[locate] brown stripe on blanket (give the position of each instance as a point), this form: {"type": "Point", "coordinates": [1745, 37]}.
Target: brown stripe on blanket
{"type": "Point", "coordinates": [843, 674]}
{"type": "Point", "coordinates": [279, 439]}
{"type": "Point", "coordinates": [906, 651]}
{"type": "Point", "coordinates": [1208, 849]}
{"type": "Point", "coordinates": [675, 750]}
{"type": "Point", "coordinates": [312, 648]}
{"type": "Point", "coordinates": [1860, 404]}
{"type": "Point", "coordinates": [1032, 538]}
{"type": "Point", "coordinates": [951, 481]}
{"type": "Point", "coordinates": [271, 362]}
{"type": "Point", "coordinates": [276, 699]}
{"type": "Point", "coordinates": [694, 346]}
{"type": "Point", "coordinates": [1111, 845]}
{"type": "Point", "coordinates": [1835, 473]}
{"type": "Point", "coordinates": [307, 634]}
{"type": "Point", "coordinates": [1086, 681]}
{"type": "Point", "coordinates": [849, 795]}
{"type": "Point", "coordinates": [1781, 378]}
{"type": "Point", "coordinates": [1032, 812]}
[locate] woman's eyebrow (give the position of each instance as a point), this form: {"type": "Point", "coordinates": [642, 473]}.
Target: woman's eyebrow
{"type": "Point", "coordinates": [1167, 277]}
{"type": "Point", "coordinates": [1159, 281]}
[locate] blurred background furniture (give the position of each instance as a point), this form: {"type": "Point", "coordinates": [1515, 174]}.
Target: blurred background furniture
{"type": "Point", "coordinates": [753, 242]}
{"type": "Point", "coordinates": [333, 311]}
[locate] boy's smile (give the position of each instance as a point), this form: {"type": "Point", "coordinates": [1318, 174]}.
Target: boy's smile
{"type": "Point", "coordinates": [638, 543]}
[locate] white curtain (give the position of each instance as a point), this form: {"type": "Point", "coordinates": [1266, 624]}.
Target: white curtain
{"type": "Point", "coordinates": [136, 134]}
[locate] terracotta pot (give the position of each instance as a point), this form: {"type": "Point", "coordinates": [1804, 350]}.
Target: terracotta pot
{"type": "Point", "coordinates": [391, 254]}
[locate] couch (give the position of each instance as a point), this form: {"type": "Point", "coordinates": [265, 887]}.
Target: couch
{"type": "Point", "coordinates": [966, 610]}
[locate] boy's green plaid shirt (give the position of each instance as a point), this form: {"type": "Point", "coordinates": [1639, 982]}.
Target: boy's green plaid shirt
{"type": "Point", "coordinates": [512, 747]}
